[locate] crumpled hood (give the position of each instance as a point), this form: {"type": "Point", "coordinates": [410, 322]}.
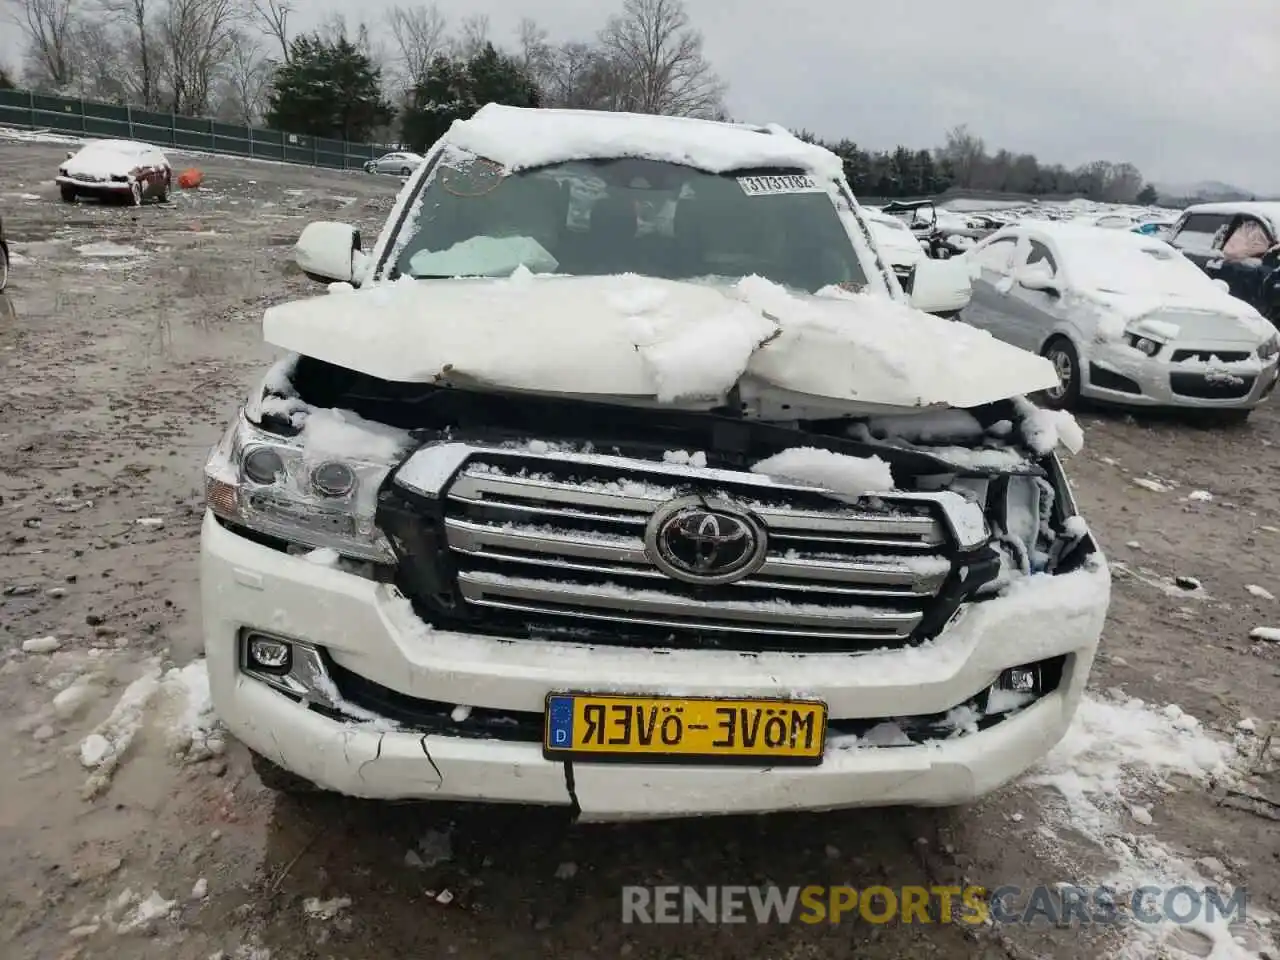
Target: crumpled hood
{"type": "Point", "coordinates": [641, 339]}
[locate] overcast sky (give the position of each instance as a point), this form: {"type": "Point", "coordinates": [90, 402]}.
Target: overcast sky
{"type": "Point", "coordinates": [1185, 90]}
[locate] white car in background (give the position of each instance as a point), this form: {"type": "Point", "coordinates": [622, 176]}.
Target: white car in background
{"type": "Point", "coordinates": [702, 518]}
{"type": "Point", "coordinates": [399, 164]}
{"type": "Point", "coordinates": [1123, 318]}
{"type": "Point", "coordinates": [896, 241]}
{"type": "Point", "coordinates": [115, 170]}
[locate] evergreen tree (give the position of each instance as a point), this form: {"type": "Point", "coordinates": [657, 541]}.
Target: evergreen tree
{"type": "Point", "coordinates": [6, 82]}
{"type": "Point", "coordinates": [1147, 196]}
{"type": "Point", "coordinates": [454, 89]}
{"type": "Point", "coordinates": [328, 88]}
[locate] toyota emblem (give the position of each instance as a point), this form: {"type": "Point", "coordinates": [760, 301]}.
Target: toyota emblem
{"type": "Point", "coordinates": [704, 541]}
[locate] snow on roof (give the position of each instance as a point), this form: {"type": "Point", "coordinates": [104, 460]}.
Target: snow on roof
{"type": "Point", "coordinates": [1268, 210]}
{"type": "Point", "coordinates": [520, 138]}
{"type": "Point", "coordinates": [1119, 261]}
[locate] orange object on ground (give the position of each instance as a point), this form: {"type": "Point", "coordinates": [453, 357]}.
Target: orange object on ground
{"type": "Point", "coordinates": [189, 179]}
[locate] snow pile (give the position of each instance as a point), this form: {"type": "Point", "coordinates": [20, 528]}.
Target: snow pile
{"type": "Point", "coordinates": [484, 257]}
{"type": "Point", "coordinates": [852, 476]}
{"type": "Point", "coordinates": [1117, 753]}
{"type": "Point", "coordinates": [147, 912]}
{"type": "Point", "coordinates": [318, 909]}
{"type": "Point", "coordinates": [523, 138]}
{"type": "Point", "coordinates": [103, 750]}
{"type": "Point", "coordinates": [1045, 429]}
{"type": "Point", "coordinates": [192, 730]}
{"type": "Point", "coordinates": [341, 433]}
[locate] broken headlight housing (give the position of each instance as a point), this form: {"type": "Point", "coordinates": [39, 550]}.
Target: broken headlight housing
{"type": "Point", "coordinates": [275, 485]}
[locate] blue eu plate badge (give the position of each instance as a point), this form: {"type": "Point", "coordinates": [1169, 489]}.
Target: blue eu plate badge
{"type": "Point", "coordinates": [560, 729]}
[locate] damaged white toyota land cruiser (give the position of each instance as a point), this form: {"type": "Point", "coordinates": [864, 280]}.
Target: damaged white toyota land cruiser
{"type": "Point", "coordinates": [621, 474]}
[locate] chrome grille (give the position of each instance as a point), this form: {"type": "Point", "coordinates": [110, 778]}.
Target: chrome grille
{"type": "Point", "coordinates": [558, 538]}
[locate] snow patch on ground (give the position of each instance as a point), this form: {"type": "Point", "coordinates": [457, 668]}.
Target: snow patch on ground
{"type": "Point", "coordinates": [192, 730]}
{"type": "Point", "coordinates": [1118, 753]}
{"type": "Point", "coordinates": [103, 750]}
{"type": "Point", "coordinates": [108, 249]}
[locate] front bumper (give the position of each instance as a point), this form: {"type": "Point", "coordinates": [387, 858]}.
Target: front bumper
{"type": "Point", "coordinates": [95, 186]}
{"type": "Point", "coordinates": [1120, 374]}
{"type": "Point", "coordinates": [368, 629]}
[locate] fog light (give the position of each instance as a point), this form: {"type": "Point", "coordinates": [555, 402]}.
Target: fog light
{"type": "Point", "coordinates": [1020, 680]}
{"type": "Point", "coordinates": [268, 653]}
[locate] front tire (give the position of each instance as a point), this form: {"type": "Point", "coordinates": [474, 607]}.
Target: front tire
{"type": "Point", "coordinates": [4, 269]}
{"type": "Point", "coordinates": [135, 193]}
{"type": "Point", "coordinates": [277, 778]}
{"type": "Point", "coordinates": [68, 194]}
{"type": "Point", "coordinates": [1066, 363]}
{"type": "Point", "coordinates": [405, 171]}
{"type": "Point", "coordinates": [163, 196]}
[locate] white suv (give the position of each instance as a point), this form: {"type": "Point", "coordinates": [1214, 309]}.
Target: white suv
{"type": "Point", "coordinates": [622, 475]}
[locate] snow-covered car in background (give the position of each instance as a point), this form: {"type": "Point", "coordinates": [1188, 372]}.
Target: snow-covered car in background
{"type": "Point", "coordinates": [896, 241]}
{"type": "Point", "coordinates": [4, 259]}
{"type": "Point", "coordinates": [115, 170]}
{"type": "Point", "coordinates": [1123, 318]}
{"type": "Point", "coordinates": [1239, 244]}
{"type": "Point", "coordinates": [399, 164]}
{"type": "Point", "coordinates": [704, 518]}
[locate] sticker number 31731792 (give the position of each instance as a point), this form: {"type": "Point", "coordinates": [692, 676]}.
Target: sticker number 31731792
{"type": "Point", "coordinates": [785, 183]}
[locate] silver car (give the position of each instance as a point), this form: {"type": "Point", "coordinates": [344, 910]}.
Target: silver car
{"type": "Point", "coordinates": [1123, 317]}
{"type": "Point", "coordinates": [400, 164]}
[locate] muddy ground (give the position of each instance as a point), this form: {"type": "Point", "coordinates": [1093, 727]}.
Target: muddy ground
{"type": "Point", "coordinates": [127, 339]}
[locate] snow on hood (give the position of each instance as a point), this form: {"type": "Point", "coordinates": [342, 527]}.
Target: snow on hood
{"type": "Point", "coordinates": [630, 337]}
{"type": "Point", "coordinates": [519, 138]}
{"type": "Point", "coordinates": [106, 158]}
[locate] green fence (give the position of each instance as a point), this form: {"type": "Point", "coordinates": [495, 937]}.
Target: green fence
{"type": "Point", "coordinates": [87, 118]}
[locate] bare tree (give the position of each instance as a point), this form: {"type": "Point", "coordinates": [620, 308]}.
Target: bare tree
{"type": "Point", "coordinates": [536, 56]}
{"type": "Point", "coordinates": [660, 56]}
{"type": "Point", "coordinates": [197, 37]}
{"type": "Point", "coordinates": [472, 36]}
{"type": "Point", "coordinates": [49, 27]}
{"type": "Point", "coordinates": [966, 152]}
{"type": "Point", "coordinates": [418, 34]}
{"type": "Point", "coordinates": [104, 70]}
{"type": "Point", "coordinates": [272, 18]}
{"type": "Point", "coordinates": [245, 81]}
{"type": "Point", "coordinates": [135, 15]}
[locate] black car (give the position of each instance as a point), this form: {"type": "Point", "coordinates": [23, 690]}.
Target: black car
{"type": "Point", "coordinates": [4, 259]}
{"type": "Point", "coordinates": [1238, 244]}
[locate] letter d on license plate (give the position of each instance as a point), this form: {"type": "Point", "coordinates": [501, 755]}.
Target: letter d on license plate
{"type": "Point", "coordinates": [641, 729]}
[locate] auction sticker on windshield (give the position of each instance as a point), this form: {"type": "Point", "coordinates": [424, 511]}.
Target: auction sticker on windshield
{"type": "Point", "coordinates": [785, 183]}
{"type": "Point", "coordinates": [684, 729]}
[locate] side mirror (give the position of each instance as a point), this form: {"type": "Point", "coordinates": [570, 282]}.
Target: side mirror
{"type": "Point", "coordinates": [1038, 280]}
{"type": "Point", "coordinates": [330, 252]}
{"type": "Point", "coordinates": [941, 286]}
{"type": "Point", "coordinates": [1222, 285]}
{"type": "Point", "coordinates": [70, 154]}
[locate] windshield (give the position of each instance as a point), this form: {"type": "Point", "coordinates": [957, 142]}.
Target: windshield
{"type": "Point", "coordinates": [603, 217]}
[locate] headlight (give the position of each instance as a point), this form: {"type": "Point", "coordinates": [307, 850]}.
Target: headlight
{"type": "Point", "coordinates": [1144, 344]}
{"type": "Point", "coordinates": [278, 486]}
{"type": "Point", "coordinates": [1270, 348]}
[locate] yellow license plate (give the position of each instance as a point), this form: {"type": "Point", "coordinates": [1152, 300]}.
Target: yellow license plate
{"type": "Point", "coordinates": [692, 729]}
